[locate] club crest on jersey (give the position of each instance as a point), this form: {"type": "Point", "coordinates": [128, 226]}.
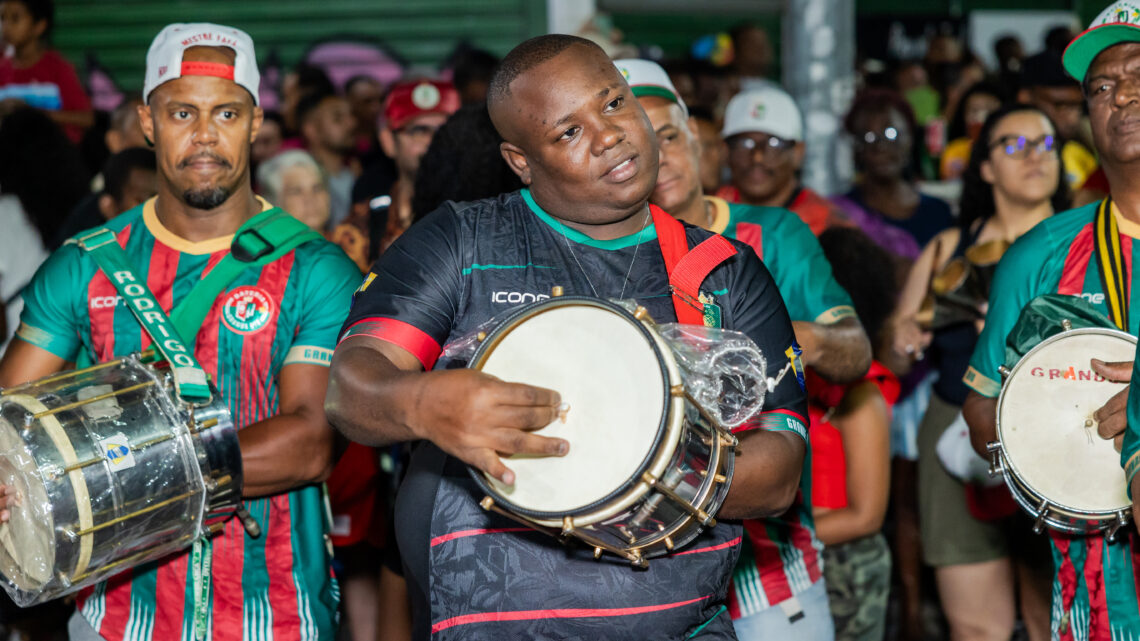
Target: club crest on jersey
{"type": "Point", "coordinates": [247, 310]}
{"type": "Point", "coordinates": [795, 357]}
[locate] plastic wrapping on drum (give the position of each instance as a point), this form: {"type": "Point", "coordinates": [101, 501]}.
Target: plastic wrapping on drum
{"type": "Point", "coordinates": [725, 372]}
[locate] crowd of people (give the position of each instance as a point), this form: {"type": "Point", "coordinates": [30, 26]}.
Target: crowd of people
{"type": "Point", "coordinates": [861, 508]}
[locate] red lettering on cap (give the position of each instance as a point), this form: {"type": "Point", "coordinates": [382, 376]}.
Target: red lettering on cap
{"type": "Point", "coordinates": [216, 69]}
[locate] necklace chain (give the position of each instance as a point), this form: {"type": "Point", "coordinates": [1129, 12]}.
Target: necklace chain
{"type": "Point", "coordinates": [628, 271]}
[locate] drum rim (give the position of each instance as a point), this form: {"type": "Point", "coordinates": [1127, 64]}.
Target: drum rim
{"type": "Point", "coordinates": [508, 323]}
{"type": "Point", "coordinates": [1012, 469]}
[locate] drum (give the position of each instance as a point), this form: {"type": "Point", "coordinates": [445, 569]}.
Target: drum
{"type": "Point", "coordinates": [111, 469]}
{"type": "Point", "coordinates": [647, 466]}
{"type": "Point", "coordinates": [1056, 466]}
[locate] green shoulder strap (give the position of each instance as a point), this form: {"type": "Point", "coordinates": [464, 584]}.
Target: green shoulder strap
{"type": "Point", "coordinates": [189, 377]}
{"type": "Point", "coordinates": [260, 241]}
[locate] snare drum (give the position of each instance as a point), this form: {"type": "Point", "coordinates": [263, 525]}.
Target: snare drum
{"type": "Point", "coordinates": [647, 467]}
{"type": "Point", "coordinates": [1056, 466]}
{"type": "Point", "coordinates": [111, 470]}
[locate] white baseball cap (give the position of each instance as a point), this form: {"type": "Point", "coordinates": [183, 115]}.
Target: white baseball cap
{"type": "Point", "coordinates": [767, 110]}
{"type": "Point", "coordinates": [647, 78]}
{"type": "Point", "coordinates": [164, 58]}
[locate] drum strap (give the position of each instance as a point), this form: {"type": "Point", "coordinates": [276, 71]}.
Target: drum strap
{"type": "Point", "coordinates": [1110, 260]}
{"type": "Point", "coordinates": [687, 268]}
{"type": "Point", "coordinates": [189, 377]}
{"type": "Point", "coordinates": [260, 241]}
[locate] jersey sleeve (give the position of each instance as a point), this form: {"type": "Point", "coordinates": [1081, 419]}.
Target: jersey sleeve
{"type": "Point", "coordinates": [1014, 285]}
{"type": "Point", "coordinates": [329, 278]}
{"type": "Point", "coordinates": [803, 274]}
{"type": "Point", "coordinates": [759, 312]}
{"type": "Point", "coordinates": [410, 298]}
{"type": "Point", "coordinates": [49, 320]}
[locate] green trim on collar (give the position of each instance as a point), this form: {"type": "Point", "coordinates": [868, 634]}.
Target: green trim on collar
{"type": "Point", "coordinates": [645, 235]}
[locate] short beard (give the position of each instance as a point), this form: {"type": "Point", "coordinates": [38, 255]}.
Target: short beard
{"type": "Point", "coordinates": [206, 198]}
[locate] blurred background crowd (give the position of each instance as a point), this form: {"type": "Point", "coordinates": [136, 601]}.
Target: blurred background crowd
{"type": "Point", "coordinates": [374, 115]}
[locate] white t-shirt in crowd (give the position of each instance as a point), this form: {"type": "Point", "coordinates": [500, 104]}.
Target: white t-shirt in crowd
{"type": "Point", "coordinates": [21, 252]}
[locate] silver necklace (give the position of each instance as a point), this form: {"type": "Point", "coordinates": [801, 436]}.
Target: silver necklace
{"type": "Point", "coordinates": [637, 248]}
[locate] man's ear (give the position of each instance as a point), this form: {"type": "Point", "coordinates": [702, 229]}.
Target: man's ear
{"type": "Point", "coordinates": [516, 160]}
{"type": "Point", "coordinates": [798, 158]}
{"type": "Point", "coordinates": [146, 122]}
{"type": "Point", "coordinates": [387, 142]}
{"type": "Point", "coordinates": [258, 118]}
{"type": "Point", "coordinates": [108, 207]}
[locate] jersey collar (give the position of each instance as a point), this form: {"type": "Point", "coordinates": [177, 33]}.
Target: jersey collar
{"type": "Point", "coordinates": [1126, 226]}
{"type": "Point", "coordinates": [180, 244]}
{"type": "Point", "coordinates": [573, 234]}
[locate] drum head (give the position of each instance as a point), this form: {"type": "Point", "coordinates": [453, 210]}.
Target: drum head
{"type": "Point", "coordinates": [27, 542]}
{"type": "Point", "coordinates": [606, 367]}
{"type": "Point", "coordinates": [1045, 421]}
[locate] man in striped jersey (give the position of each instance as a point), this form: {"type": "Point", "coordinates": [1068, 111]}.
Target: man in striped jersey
{"type": "Point", "coordinates": [778, 590]}
{"type": "Point", "coordinates": [1088, 252]}
{"type": "Point", "coordinates": [266, 342]}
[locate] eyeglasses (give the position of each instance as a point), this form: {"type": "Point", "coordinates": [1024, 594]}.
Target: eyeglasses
{"type": "Point", "coordinates": [888, 136]}
{"type": "Point", "coordinates": [770, 144]}
{"type": "Point", "coordinates": [1019, 146]}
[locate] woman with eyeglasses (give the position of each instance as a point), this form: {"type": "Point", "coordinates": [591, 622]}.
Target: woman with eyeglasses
{"type": "Point", "coordinates": [982, 548]}
{"type": "Point", "coordinates": [887, 205]}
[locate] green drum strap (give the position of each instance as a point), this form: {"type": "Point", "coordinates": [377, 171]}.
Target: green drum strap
{"type": "Point", "coordinates": [261, 240]}
{"type": "Point", "coordinates": [189, 377]}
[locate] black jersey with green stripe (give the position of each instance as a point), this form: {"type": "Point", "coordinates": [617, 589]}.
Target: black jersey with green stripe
{"type": "Point", "coordinates": [473, 574]}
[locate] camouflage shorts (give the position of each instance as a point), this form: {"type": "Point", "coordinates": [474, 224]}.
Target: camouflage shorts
{"type": "Point", "coordinates": [858, 579]}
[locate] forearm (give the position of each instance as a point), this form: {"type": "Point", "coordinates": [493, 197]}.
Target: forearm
{"type": "Point", "coordinates": [766, 475]}
{"type": "Point", "coordinates": [272, 464]}
{"type": "Point", "coordinates": [980, 413]}
{"type": "Point", "coordinates": [840, 352]}
{"type": "Point", "coordinates": [77, 118]}
{"type": "Point", "coordinates": [370, 397]}
{"type": "Point", "coordinates": [845, 524]}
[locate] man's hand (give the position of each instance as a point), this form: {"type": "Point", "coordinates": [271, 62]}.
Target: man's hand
{"type": "Point", "coordinates": [476, 417]}
{"type": "Point", "coordinates": [7, 498]}
{"type": "Point", "coordinates": [1112, 417]}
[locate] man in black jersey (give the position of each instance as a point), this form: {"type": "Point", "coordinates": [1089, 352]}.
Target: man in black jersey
{"type": "Point", "coordinates": [583, 147]}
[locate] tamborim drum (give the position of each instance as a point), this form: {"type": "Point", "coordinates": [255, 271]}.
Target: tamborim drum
{"type": "Point", "coordinates": [111, 469]}
{"type": "Point", "coordinates": [1056, 466]}
{"type": "Point", "coordinates": [647, 467]}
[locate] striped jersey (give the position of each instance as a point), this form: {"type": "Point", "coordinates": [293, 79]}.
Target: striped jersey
{"type": "Point", "coordinates": [1094, 583]}
{"type": "Point", "coordinates": [277, 586]}
{"type": "Point", "coordinates": [780, 557]}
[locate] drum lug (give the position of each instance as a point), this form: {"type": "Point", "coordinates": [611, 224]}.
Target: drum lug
{"type": "Point", "coordinates": [1114, 529]}
{"type": "Point", "coordinates": [642, 314]}
{"type": "Point", "coordinates": [1004, 371]}
{"type": "Point", "coordinates": [1066, 324]}
{"type": "Point", "coordinates": [717, 478]}
{"type": "Point", "coordinates": [638, 561]}
{"type": "Point", "coordinates": [556, 291]}
{"type": "Point", "coordinates": [567, 525]}
{"type": "Point", "coordinates": [996, 465]}
{"type": "Point", "coordinates": [487, 503]}
{"type": "Point", "coordinates": [481, 336]}
{"type": "Point", "coordinates": [668, 543]}
{"type": "Point", "coordinates": [677, 390]}
{"type": "Point", "coordinates": [1039, 521]}
{"type": "Point", "coordinates": [597, 553]}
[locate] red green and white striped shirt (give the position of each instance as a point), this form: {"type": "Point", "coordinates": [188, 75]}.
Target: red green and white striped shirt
{"type": "Point", "coordinates": [277, 586]}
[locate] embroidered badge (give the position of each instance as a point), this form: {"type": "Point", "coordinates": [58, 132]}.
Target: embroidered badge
{"type": "Point", "coordinates": [247, 310]}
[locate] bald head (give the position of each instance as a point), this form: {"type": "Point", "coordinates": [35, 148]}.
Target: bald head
{"type": "Point", "coordinates": [521, 60]}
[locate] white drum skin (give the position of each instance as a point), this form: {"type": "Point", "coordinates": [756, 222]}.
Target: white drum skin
{"type": "Point", "coordinates": [1048, 438]}
{"type": "Point", "coordinates": [646, 467]}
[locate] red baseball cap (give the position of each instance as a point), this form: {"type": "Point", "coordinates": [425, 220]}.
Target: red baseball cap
{"type": "Point", "coordinates": [408, 100]}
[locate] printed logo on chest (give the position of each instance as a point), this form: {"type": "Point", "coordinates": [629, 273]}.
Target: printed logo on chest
{"type": "Point", "coordinates": [247, 310]}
